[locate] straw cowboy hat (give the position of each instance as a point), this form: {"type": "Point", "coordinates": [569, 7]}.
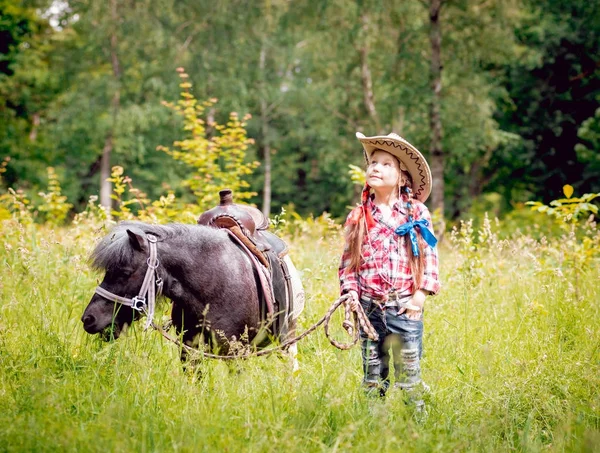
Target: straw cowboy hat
{"type": "Point", "coordinates": [410, 158]}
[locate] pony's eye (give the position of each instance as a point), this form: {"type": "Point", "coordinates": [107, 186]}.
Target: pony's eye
{"type": "Point", "coordinates": [126, 272]}
{"type": "Point", "coordinates": [122, 274]}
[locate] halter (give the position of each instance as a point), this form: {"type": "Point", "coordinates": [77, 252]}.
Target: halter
{"type": "Point", "coordinates": [151, 287]}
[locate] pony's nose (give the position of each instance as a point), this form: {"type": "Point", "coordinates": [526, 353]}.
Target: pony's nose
{"type": "Point", "coordinates": [88, 320]}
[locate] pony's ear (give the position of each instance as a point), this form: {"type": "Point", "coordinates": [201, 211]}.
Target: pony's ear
{"type": "Point", "coordinates": [137, 242]}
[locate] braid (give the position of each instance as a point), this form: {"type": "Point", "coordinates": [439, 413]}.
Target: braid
{"type": "Point", "coordinates": [417, 263]}
{"type": "Point", "coordinates": [355, 233]}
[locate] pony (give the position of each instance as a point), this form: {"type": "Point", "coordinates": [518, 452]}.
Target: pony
{"type": "Point", "coordinates": [212, 282]}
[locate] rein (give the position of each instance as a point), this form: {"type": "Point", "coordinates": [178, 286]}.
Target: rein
{"type": "Point", "coordinates": [151, 287]}
{"type": "Point", "coordinates": [360, 319]}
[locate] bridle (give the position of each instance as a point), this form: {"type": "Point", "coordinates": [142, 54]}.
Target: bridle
{"type": "Point", "coordinates": [152, 286]}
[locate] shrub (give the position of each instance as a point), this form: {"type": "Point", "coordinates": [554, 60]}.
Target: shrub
{"type": "Point", "coordinates": [215, 152]}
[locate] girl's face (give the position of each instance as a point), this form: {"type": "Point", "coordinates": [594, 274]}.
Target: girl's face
{"type": "Point", "coordinates": [383, 171]}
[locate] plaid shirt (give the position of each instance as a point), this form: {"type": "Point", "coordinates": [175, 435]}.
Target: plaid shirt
{"type": "Point", "coordinates": [384, 264]}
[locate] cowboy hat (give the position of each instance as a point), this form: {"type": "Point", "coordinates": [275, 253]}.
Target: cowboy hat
{"type": "Point", "coordinates": [410, 159]}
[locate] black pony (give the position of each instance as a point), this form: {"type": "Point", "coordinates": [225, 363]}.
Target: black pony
{"type": "Point", "coordinates": [211, 281]}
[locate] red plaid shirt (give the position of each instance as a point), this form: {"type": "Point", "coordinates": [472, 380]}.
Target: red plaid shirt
{"type": "Point", "coordinates": [384, 264]}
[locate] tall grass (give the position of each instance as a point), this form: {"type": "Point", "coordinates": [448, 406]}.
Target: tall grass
{"type": "Point", "coordinates": [512, 354]}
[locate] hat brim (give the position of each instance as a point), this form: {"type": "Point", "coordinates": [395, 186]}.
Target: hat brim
{"type": "Point", "coordinates": [407, 154]}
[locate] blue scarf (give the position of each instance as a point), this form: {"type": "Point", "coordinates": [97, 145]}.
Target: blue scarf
{"type": "Point", "coordinates": [409, 227]}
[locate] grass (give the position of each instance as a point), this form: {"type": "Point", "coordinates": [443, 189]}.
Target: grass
{"type": "Point", "coordinates": [512, 353]}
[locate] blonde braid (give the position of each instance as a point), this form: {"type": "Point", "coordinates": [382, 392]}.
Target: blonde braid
{"type": "Point", "coordinates": [417, 263]}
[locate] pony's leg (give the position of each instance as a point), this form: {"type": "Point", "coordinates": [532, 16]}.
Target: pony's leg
{"type": "Point", "coordinates": [297, 288]}
{"type": "Point", "coordinates": [185, 326]}
{"type": "Point", "coordinates": [177, 317]}
{"type": "Point", "coordinates": [292, 351]}
{"type": "Point", "coordinates": [298, 306]}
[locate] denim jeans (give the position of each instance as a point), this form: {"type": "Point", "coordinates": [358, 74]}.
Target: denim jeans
{"type": "Point", "coordinates": [404, 337]}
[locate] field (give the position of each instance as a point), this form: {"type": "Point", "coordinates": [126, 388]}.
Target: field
{"type": "Point", "coordinates": [512, 355]}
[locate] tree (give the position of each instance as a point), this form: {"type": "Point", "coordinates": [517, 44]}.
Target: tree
{"type": "Point", "coordinates": [513, 87]}
{"type": "Point", "coordinates": [480, 43]}
{"type": "Point", "coordinates": [436, 151]}
{"type": "Point", "coordinates": [551, 99]}
{"type": "Point", "coordinates": [28, 86]}
{"type": "Point", "coordinates": [218, 160]}
{"type": "Point", "coordinates": [117, 63]}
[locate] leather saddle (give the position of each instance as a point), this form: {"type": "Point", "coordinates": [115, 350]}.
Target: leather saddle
{"type": "Point", "coordinates": [247, 220]}
{"type": "Point", "coordinates": [248, 226]}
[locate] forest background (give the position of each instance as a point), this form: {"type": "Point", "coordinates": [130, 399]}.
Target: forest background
{"type": "Point", "coordinates": [500, 96]}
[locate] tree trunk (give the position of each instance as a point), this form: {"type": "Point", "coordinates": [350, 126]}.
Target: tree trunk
{"type": "Point", "coordinates": [367, 81]}
{"type": "Point", "coordinates": [266, 147]}
{"type": "Point", "coordinates": [105, 186]}
{"type": "Point", "coordinates": [267, 185]}
{"type": "Point", "coordinates": [477, 177]}
{"type": "Point", "coordinates": [35, 122]}
{"type": "Point", "coordinates": [437, 154]}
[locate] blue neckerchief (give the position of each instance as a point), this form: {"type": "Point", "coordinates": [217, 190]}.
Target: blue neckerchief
{"type": "Point", "coordinates": [409, 227]}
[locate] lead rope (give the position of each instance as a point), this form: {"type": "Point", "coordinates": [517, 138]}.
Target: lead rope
{"type": "Point", "coordinates": [352, 320]}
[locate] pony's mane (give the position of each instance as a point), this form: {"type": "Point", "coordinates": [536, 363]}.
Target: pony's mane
{"type": "Point", "coordinates": [115, 248]}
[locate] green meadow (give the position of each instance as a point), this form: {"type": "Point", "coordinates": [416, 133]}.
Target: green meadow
{"type": "Point", "coordinates": [512, 355]}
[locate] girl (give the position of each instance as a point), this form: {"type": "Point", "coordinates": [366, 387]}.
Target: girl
{"type": "Point", "coordinates": [390, 263]}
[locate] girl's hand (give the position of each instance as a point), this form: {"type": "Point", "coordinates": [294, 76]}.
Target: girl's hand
{"type": "Point", "coordinates": [413, 315]}
{"type": "Point", "coordinates": [353, 301]}
{"type": "Point", "coordinates": [418, 300]}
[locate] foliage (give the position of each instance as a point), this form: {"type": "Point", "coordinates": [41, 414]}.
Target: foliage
{"type": "Point", "coordinates": [91, 220]}
{"type": "Point", "coordinates": [519, 93]}
{"type": "Point", "coordinates": [133, 204]}
{"type": "Point", "coordinates": [15, 204]}
{"type": "Point", "coordinates": [568, 210]}
{"type": "Point", "coordinates": [215, 152]}
{"type": "Point", "coordinates": [587, 152]}
{"type": "Point", "coordinates": [111, 61]}
{"type": "Point", "coordinates": [357, 175]}
{"type": "Point", "coordinates": [580, 241]}
{"type": "Point", "coordinates": [28, 87]}
{"type": "Point", "coordinates": [54, 205]}
{"type": "Point", "coordinates": [278, 221]}
{"type": "Point", "coordinates": [531, 223]}
{"type": "Point", "coordinates": [217, 156]}
{"type": "Point", "coordinates": [3, 212]}
{"type": "Point", "coordinates": [551, 95]}
{"type": "Point", "coordinates": [121, 184]}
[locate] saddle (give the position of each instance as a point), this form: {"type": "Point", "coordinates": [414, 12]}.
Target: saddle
{"type": "Point", "coordinates": [247, 226]}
